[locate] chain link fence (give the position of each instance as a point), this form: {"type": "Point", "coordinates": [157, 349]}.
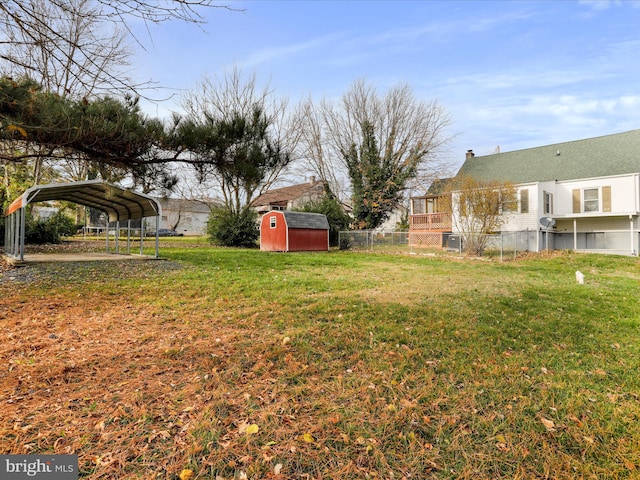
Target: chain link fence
{"type": "Point", "coordinates": [378, 240]}
{"type": "Point", "coordinates": [505, 245]}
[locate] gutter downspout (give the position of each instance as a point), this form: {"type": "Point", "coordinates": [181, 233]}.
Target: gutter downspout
{"type": "Point", "coordinates": [575, 234]}
{"type": "Point", "coordinates": [631, 239]}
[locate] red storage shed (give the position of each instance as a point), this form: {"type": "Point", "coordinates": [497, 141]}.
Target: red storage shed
{"type": "Point", "coordinates": [285, 231]}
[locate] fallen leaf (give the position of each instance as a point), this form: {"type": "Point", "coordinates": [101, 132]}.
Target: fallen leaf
{"type": "Point", "coordinates": [307, 438]}
{"type": "Point", "coordinates": [575, 419]}
{"type": "Point", "coordinates": [548, 424]}
{"type": "Point", "coordinates": [503, 447]}
{"type": "Point", "coordinates": [253, 428]}
{"type": "Point", "coordinates": [186, 474]}
{"type": "Point", "coordinates": [277, 469]}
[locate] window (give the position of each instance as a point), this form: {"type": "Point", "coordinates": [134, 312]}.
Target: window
{"type": "Point", "coordinates": [272, 222]}
{"type": "Point", "coordinates": [524, 201]}
{"type": "Point", "coordinates": [418, 205]}
{"type": "Point", "coordinates": [548, 203]}
{"type": "Point", "coordinates": [590, 200]}
{"type": "Point", "coordinates": [509, 202]}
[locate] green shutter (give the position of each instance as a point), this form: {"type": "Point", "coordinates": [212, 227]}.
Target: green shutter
{"type": "Point", "coordinates": [606, 199]}
{"type": "Point", "coordinates": [524, 201]}
{"type": "Point", "coordinates": [576, 200]}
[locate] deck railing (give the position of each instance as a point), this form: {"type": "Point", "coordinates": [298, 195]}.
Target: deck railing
{"type": "Point", "coordinates": [430, 221]}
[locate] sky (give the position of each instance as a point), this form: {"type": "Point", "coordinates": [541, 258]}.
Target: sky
{"type": "Point", "coordinates": [510, 74]}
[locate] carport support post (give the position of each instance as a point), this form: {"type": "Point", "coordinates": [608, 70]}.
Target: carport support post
{"type": "Point", "coordinates": [106, 231]}
{"type": "Point", "coordinates": [128, 236]}
{"type": "Point", "coordinates": [117, 236]}
{"type": "Point", "coordinates": [157, 233]}
{"type": "Point", "coordinates": [143, 222]}
{"type": "Point", "coordinates": [22, 231]}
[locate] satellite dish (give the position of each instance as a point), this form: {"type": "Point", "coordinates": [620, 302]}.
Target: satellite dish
{"type": "Point", "coordinates": [547, 222]}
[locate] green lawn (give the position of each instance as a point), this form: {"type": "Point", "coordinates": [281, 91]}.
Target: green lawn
{"type": "Point", "coordinates": [337, 365]}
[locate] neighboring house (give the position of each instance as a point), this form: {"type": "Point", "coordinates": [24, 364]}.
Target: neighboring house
{"type": "Point", "coordinates": [188, 217]}
{"type": "Point", "coordinates": [590, 189]}
{"type": "Point", "coordinates": [289, 198]}
{"type": "Point", "coordinates": [395, 219]}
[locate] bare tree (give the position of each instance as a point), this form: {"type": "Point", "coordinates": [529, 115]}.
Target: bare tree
{"type": "Point", "coordinates": [314, 150]}
{"type": "Point", "coordinates": [236, 99]}
{"type": "Point", "coordinates": [86, 55]}
{"type": "Point", "coordinates": [405, 129]}
{"type": "Point", "coordinates": [81, 39]}
{"type": "Point", "coordinates": [478, 209]}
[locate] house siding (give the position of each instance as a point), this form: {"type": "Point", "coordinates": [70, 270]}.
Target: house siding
{"type": "Point", "coordinates": [515, 221]}
{"type": "Point", "coordinates": [623, 196]}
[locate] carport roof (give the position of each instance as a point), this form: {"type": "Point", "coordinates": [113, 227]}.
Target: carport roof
{"type": "Point", "coordinates": [118, 203]}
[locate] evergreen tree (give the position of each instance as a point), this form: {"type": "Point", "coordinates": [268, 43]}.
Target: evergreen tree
{"type": "Point", "coordinates": [330, 206]}
{"type": "Point", "coordinates": [377, 179]}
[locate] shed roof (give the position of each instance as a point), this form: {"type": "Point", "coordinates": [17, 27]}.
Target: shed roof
{"type": "Point", "coordinates": [607, 155]}
{"type": "Point", "coordinates": [315, 221]}
{"type": "Point", "coordinates": [118, 203]}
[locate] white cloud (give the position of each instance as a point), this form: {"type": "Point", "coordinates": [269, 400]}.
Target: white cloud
{"type": "Point", "coordinates": [283, 53]}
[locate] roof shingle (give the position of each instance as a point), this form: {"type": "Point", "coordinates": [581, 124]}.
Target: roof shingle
{"type": "Point", "coordinates": [315, 221]}
{"type": "Point", "coordinates": [592, 157]}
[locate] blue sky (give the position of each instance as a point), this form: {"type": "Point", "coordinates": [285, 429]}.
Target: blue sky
{"type": "Point", "coordinates": [513, 74]}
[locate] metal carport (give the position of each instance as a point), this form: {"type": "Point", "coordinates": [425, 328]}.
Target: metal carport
{"type": "Point", "coordinates": [119, 204]}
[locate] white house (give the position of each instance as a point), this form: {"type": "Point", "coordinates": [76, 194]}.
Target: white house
{"type": "Point", "coordinates": [188, 217]}
{"type": "Point", "coordinates": [588, 189]}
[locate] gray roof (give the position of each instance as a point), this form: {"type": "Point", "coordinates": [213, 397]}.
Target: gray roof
{"type": "Point", "coordinates": [118, 203]}
{"type": "Point", "coordinates": [315, 221]}
{"type": "Point", "coordinates": [593, 157]}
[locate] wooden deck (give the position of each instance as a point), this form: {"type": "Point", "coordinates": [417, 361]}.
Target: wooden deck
{"type": "Point", "coordinates": [432, 222]}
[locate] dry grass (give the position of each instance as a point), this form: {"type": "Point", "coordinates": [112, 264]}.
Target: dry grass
{"type": "Point", "coordinates": [348, 366]}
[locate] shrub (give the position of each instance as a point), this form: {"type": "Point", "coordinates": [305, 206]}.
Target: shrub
{"type": "Point", "coordinates": [233, 229]}
{"type": "Point", "coordinates": [39, 232]}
